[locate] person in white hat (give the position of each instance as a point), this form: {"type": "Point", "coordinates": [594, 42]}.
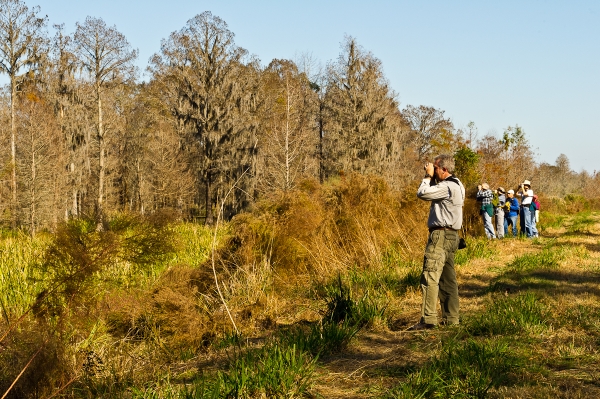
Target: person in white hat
{"type": "Point", "coordinates": [526, 194]}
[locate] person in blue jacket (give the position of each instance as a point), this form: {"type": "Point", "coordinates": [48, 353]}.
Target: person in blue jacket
{"type": "Point", "coordinates": [512, 205]}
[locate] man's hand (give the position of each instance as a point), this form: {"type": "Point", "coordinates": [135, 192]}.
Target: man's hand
{"type": "Point", "coordinates": [428, 168]}
{"type": "Point", "coordinates": [479, 187]}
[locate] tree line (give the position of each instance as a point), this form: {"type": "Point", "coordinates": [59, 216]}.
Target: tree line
{"type": "Point", "coordinates": [87, 136]}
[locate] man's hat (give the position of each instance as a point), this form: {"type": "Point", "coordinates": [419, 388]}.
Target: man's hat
{"type": "Point", "coordinates": [511, 191]}
{"type": "Point", "coordinates": [527, 183]}
{"type": "Point", "coordinates": [501, 190]}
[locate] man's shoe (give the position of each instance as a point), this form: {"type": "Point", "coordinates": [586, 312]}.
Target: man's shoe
{"type": "Point", "coordinates": [445, 323]}
{"type": "Point", "coordinates": [421, 326]}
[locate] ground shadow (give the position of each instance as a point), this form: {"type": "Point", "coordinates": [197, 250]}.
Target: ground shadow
{"type": "Point", "coordinates": [580, 233]}
{"type": "Point", "coordinates": [593, 247]}
{"type": "Point", "coordinates": [561, 282]}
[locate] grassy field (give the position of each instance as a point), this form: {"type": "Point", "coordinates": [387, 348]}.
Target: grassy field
{"type": "Point", "coordinates": [134, 312]}
{"type": "Point", "coordinates": [530, 328]}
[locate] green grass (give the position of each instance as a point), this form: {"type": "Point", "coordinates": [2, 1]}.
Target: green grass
{"type": "Point", "coordinates": [467, 369]}
{"type": "Point", "coordinates": [164, 390]}
{"type": "Point", "coordinates": [510, 315]}
{"type": "Point", "coordinates": [477, 248]}
{"type": "Point", "coordinates": [548, 258]}
{"type": "Point", "coordinates": [195, 243]}
{"type": "Point", "coordinates": [20, 276]}
{"type": "Point", "coordinates": [538, 270]}
{"type": "Point", "coordinates": [587, 317]}
{"type": "Point", "coordinates": [394, 279]}
{"type": "Point", "coordinates": [412, 277]}
{"type": "Point", "coordinates": [273, 371]}
{"type": "Point", "coordinates": [552, 220]}
{"type": "Point", "coordinates": [581, 223]}
{"type": "Point", "coordinates": [517, 338]}
{"type": "Point", "coordinates": [319, 339]}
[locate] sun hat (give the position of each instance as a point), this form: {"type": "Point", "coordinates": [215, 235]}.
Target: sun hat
{"type": "Point", "coordinates": [501, 190]}
{"type": "Point", "coordinates": [526, 183]}
{"type": "Point", "coordinates": [511, 191]}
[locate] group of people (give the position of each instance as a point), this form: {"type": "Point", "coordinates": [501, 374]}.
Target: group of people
{"type": "Point", "coordinates": [506, 208]}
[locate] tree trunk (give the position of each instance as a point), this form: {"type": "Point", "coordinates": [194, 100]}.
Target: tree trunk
{"type": "Point", "coordinates": [288, 183]}
{"type": "Point", "coordinates": [13, 151]}
{"type": "Point", "coordinates": [75, 207]}
{"type": "Point", "coordinates": [321, 166]}
{"type": "Point", "coordinates": [33, 183]}
{"type": "Point", "coordinates": [208, 220]}
{"type": "Point", "coordinates": [139, 188]}
{"type": "Point", "coordinates": [101, 167]}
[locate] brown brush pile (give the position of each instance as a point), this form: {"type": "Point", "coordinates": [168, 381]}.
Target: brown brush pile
{"type": "Point", "coordinates": [321, 229]}
{"type": "Point", "coordinates": [271, 257]}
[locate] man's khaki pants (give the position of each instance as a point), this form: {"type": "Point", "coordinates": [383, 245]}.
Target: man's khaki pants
{"type": "Point", "coordinates": [438, 279]}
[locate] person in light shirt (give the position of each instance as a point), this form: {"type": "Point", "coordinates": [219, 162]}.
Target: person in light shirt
{"type": "Point", "coordinates": [446, 195]}
{"type": "Point", "coordinates": [526, 194]}
{"type": "Point", "coordinates": [499, 210]}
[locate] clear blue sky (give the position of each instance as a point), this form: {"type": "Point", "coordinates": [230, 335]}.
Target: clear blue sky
{"type": "Point", "coordinates": [496, 63]}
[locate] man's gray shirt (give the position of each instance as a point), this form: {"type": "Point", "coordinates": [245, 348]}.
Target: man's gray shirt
{"type": "Point", "coordinates": [447, 200]}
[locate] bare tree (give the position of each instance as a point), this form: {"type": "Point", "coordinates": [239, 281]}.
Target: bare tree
{"type": "Point", "coordinates": [429, 126]}
{"type": "Point", "coordinates": [212, 92]}
{"type": "Point", "coordinates": [363, 127]}
{"type": "Point", "coordinates": [156, 165]}
{"type": "Point", "coordinates": [40, 162]}
{"type": "Point", "coordinates": [559, 180]}
{"type": "Point", "coordinates": [506, 161]}
{"type": "Point", "coordinates": [21, 38]}
{"type": "Point", "coordinates": [69, 97]}
{"type": "Point", "coordinates": [5, 156]}
{"type": "Point", "coordinates": [317, 77]}
{"type": "Point", "coordinates": [289, 143]}
{"type": "Point", "coordinates": [107, 57]}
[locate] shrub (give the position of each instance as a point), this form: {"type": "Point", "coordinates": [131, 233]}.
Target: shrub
{"type": "Point", "coordinates": [78, 266]}
{"type": "Point", "coordinates": [581, 223]}
{"type": "Point", "coordinates": [341, 321]}
{"type": "Point", "coordinates": [345, 223]}
{"type": "Point", "coordinates": [80, 255]}
{"type": "Point", "coordinates": [21, 279]}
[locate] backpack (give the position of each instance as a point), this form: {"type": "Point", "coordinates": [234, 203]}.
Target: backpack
{"type": "Point", "coordinates": [487, 208]}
